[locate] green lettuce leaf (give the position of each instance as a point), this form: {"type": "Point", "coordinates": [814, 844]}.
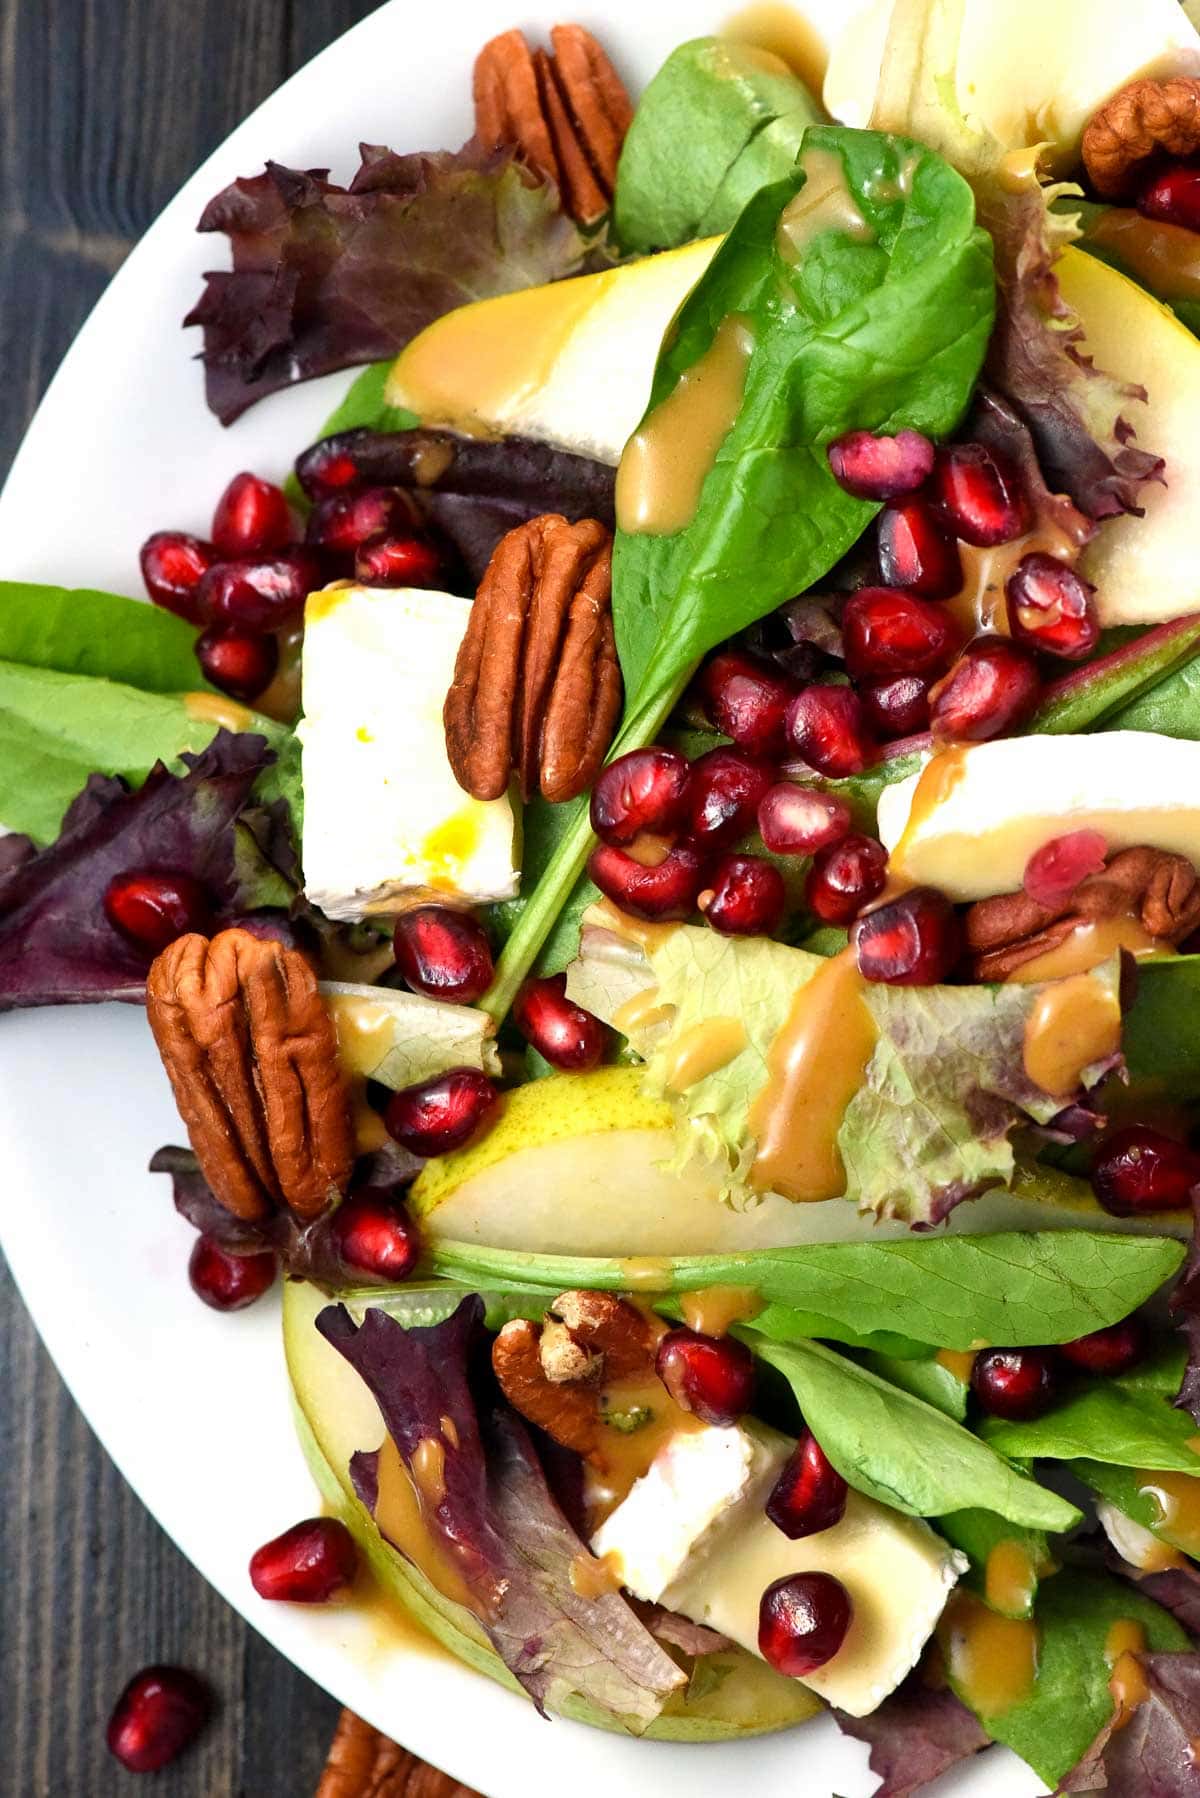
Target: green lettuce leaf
{"type": "Point", "coordinates": [423, 1038]}
{"type": "Point", "coordinates": [1105, 1421]}
{"type": "Point", "coordinates": [978, 1532]}
{"type": "Point", "coordinates": [82, 631]}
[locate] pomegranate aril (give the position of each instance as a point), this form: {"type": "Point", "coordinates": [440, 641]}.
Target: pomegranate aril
{"type": "Point", "coordinates": [794, 820]}
{"type": "Point", "coordinates": [439, 1115]}
{"type": "Point", "coordinates": [802, 1622]}
{"type": "Point", "coordinates": [252, 518]}
{"type": "Point", "coordinates": [443, 953]}
{"type": "Point", "coordinates": [173, 565]}
{"type": "Point", "coordinates": [1017, 1383]}
{"type": "Point", "coordinates": [644, 790]}
{"type": "Point", "coordinates": [916, 553]}
{"type": "Point", "coordinates": [259, 595]}
{"type": "Point", "coordinates": [709, 1375]}
{"type": "Point", "coordinates": [373, 1233]}
{"type": "Point", "coordinates": [746, 896]}
{"type": "Point", "coordinates": [979, 495]}
{"type": "Point", "coordinates": [397, 562]}
{"type": "Point", "coordinates": [898, 707]}
{"type": "Point", "coordinates": [1172, 196]}
{"type": "Point", "coordinates": [747, 699]}
{"type": "Point", "coordinates": [229, 1282]}
{"type": "Point", "coordinates": [668, 889]}
{"type": "Point", "coordinates": [1050, 607]}
{"type": "Point", "coordinates": [341, 523]}
{"type": "Point", "coordinates": [331, 465]}
{"type": "Point", "coordinates": [307, 1564]}
{"type": "Point", "coordinates": [1108, 1352]}
{"type": "Point", "coordinates": [827, 728]}
{"type": "Point", "coordinates": [241, 663]}
{"type": "Point", "coordinates": [151, 908]}
{"type": "Point", "coordinates": [914, 940]}
{"type": "Point", "coordinates": [726, 788]}
{"type": "Point", "coordinates": [1054, 871]}
{"type": "Point", "coordinates": [845, 877]}
{"type": "Point", "coordinates": [992, 688]}
{"type": "Point", "coordinates": [810, 1493]}
{"type": "Point", "coordinates": [888, 632]}
{"type": "Point", "coordinates": [1138, 1169]}
{"type": "Point", "coordinates": [160, 1711]}
{"type": "Point", "coordinates": [563, 1033]}
{"type": "Point", "coordinates": [873, 467]}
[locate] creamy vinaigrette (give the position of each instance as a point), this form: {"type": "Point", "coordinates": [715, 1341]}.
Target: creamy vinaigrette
{"type": "Point", "coordinates": [992, 1658]}
{"type": "Point", "coordinates": [1074, 1023]}
{"type": "Point", "coordinates": [786, 33]}
{"type": "Point", "coordinates": [824, 203]}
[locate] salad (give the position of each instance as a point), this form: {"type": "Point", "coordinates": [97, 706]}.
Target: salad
{"type": "Point", "coordinates": [663, 866]}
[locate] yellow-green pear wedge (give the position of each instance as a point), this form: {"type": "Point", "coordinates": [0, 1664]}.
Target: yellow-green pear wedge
{"type": "Point", "coordinates": [336, 1416]}
{"type": "Point", "coordinates": [569, 364]}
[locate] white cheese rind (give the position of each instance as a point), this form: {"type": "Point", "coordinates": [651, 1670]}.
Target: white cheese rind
{"type": "Point", "coordinates": [384, 816]}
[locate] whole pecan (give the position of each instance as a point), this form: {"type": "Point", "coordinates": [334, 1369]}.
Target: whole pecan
{"type": "Point", "coordinates": [552, 1373]}
{"type": "Point", "coordinates": [363, 1763]}
{"type": "Point", "coordinates": [537, 685]}
{"type": "Point", "coordinates": [251, 1054]}
{"type": "Point", "coordinates": [1142, 120]}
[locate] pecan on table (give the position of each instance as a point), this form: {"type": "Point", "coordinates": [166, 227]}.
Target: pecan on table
{"type": "Point", "coordinates": [363, 1763]}
{"type": "Point", "coordinates": [566, 113]}
{"type": "Point", "coordinates": [537, 685]}
{"type": "Point", "coordinates": [551, 1373]}
{"type": "Point", "coordinates": [1142, 120]}
{"type": "Point", "coordinates": [251, 1054]}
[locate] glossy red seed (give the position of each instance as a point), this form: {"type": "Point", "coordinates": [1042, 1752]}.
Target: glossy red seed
{"type": "Point", "coordinates": [262, 594]}
{"type": "Point", "coordinates": [173, 565]}
{"type": "Point", "coordinates": [724, 793]}
{"type": "Point", "coordinates": [914, 940]}
{"type": "Point", "coordinates": [329, 466]}
{"type": "Point", "coordinates": [397, 562]}
{"type": "Point", "coordinates": [160, 1711]}
{"type": "Point", "coordinates": [151, 907]}
{"type": "Point", "coordinates": [1050, 607]}
{"type": "Point", "coordinates": [747, 699]}
{"type": "Point", "coordinates": [373, 1233]}
{"type": "Point", "coordinates": [1054, 871]}
{"type": "Point", "coordinates": [748, 896]}
{"type": "Point", "coordinates": [802, 1622]}
{"type": "Point", "coordinates": [873, 467]}
{"type": "Point", "coordinates": [845, 877]}
{"type": "Point", "coordinates": [342, 522]}
{"type": "Point", "coordinates": [252, 518]}
{"type": "Point", "coordinates": [979, 495]}
{"type": "Point", "coordinates": [1171, 195]}
{"type": "Point", "coordinates": [646, 790]}
{"type": "Point", "coordinates": [795, 820]}
{"type": "Point", "coordinates": [442, 1114]}
{"type": "Point", "coordinates": [888, 632]}
{"type": "Point", "coordinates": [898, 707]}
{"type": "Point", "coordinates": [229, 1282]}
{"type": "Point", "coordinates": [1138, 1169]}
{"type": "Point", "coordinates": [307, 1564]}
{"type": "Point", "coordinates": [563, 1033]}
{"type": "Point", "coordinates": [828, 730]}
{"type": "Point", "coordinates": [241, 663]}
{"type": "Point", "coordinates": [668, 889]}
{"type": "Point", "coordinates": [1108, 1352]}
{"type": "Point", "coordinates": [1016, 1383]}
{"type": "Point", "coordinates": [443, 953]}
{"type": "Point", "coordinates": [992, 688]}
{"type": "Point", "coordinates": [712, 1376]}
{"type": "Point", "coordinates": [810, 1493]}
{"type": "Point", "coordinates": [916, 552]}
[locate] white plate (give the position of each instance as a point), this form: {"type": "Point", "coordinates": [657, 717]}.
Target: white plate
{"type": "Point", "coordinates": [193, 1407]}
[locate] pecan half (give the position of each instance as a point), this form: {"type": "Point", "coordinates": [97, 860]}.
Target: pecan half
{"type": "Point", "coordinates": [363, 1763]}
{"type": "Point", "coordinates": [566, 112]}
{"type": "Point", "coordinates": [552, 1373]}
{"type": "Point", "coordinates": [251, 1054]}
{"type": "Point", "coordinates": [1141, 120]}
{"type": "Point", "coordinates": [537, 685]}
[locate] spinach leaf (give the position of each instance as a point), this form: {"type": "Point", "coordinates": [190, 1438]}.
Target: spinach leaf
{"type": "Point", "coordinates": [1101, 694]}
{"type": "Point", "coordinates": [365, 404]}
{"type": "Point", "coordinates": [897, 1449]}
{"type": "Point", "coordinates": [82, 631]}
{"type": "Point", "coordinates": [922, 1375]}
{"type": "Point", "coordinates": [1171, 707]}
{"type": "Point", "coordinates": [1102, 1421]}
{"type": "Point", "coordinates": [1160, 1035]}
{"type": "Point", "coordinates": [978, 1533]}
{"type": "Point", "coordinates": [1125, 1487]}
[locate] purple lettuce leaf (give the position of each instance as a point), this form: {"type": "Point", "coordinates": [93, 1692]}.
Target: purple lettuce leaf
{"type": "Point", "coordinates": [498, 1522]}
{"type": "Point", "coordinates": [326, 277]}
{"type": "Point", "coordinates": [1150, 1754]}
{"type": "Point", "coordinates": [1176, 1589]}
{"type": "Point", "coordinates": [915, 1736]}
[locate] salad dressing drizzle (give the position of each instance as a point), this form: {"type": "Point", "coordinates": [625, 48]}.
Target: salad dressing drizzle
{"type": "Point", "coordinates": [642, 1012]}
{"type": "Point", "coordinates": [1010, 1578]}
{"type": "Point", "coordinates": [363, 1030]}
{"type": "Point", "coordinates": [1074, 1023]}
{"type": "Point", "coordinates": [1090, 944]}
{"type": "Point", "coordinates": [1176, 1501]}
{"type": "Point", "coordinates": [646, 1273]}
{"type": "Point", "coordinates": [1165, 257]}
{"type": "Point", "coordinates": [711, 1310]}
{"type": "Point", "coordinates": [592, 1576]}
{"type": "Point", "coordinates": [959, 1362]}
{"type": "Point", "coordinates": [216, 708]}
{"type": "Point", "coordinates": [400, 1518]}
{"type": "Point", "coordinates": [703, 1050]}
{"type": "Point", "coordinates": [992, 1659]}
{"type": "Point", "coordinates": [1124, 1642]}
{"type": "Point", "coordinates": [979, 606]}
{"type": "Point", "coordinates": [824, 203]}
{"type": "Point", "coordinates": [935, 783]}
{"type": "Point", "coordinates": [648, 937]}
{"type": "Point", "coordinates": [786, 33]}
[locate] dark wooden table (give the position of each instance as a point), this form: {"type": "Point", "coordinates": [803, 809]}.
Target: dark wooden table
{"type": "Point", "coordinates": [106, 106]}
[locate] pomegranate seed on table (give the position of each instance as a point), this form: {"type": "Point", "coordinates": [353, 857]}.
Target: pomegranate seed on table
{"type": "Point", "coordinates": [397, 562]}
{"type": "Point", "coordinates": [979, 495]}
{"type": "Point", "coordinates": [747, 699]}
{"type": "Point", "coordinates": [252, 518]}
{"type": "Point", "coordinates": [342, 522]}
{"type": "Point", "coordinates": [992, 688]}
{"type": "Point", "coordinates": [916, 553]}
{"type": "Point", "coordinates": [845, 877]}
{"type": "Point", "coordinates": [1054, 871]}
{"type": "Point", "coordinates": [666, 890]}
{"type": "Point", "coordinates": [795, 820]}
{"type": "Point", "coordinates": [827, 728]}
{"type": "Point", "coordinates": [229, 1282]}
{"type": "Point", "coordinates": [373, 1232]}
{"type": "Point", "coordinates": [241, 663]}
{"type": "Point", "coordinates": [873, 467]}
{"type": "Point", "coordinates": [329, 466]}
{"type": "Point", "coordinates": [802, 1622]}
{"type": "Point", "coordinates": [712, 1376]}
{"type": "Point", "coordinates": [898, 707]}
{"type": "Point", "coordinates": [727, 786]}
{"type": "Point", "coordinates": [260, 594]}
{"type": "Point", "coordinates": [151, 907]}
{"type": "Point", "coordinates": [886, 631]}
{"type": "Point", "coordinates": [1111, 1351]}
{"type": "Point", "coordinates": [173, 565]}
{"type": "Point", "coordinates": [160, 1711]}
{"type": "Point", "coordinates": [563, 1033]}
{"type": "Point", "coordinates": [748, 896]}
{"type": "Point", "coordinates": [1050, 607]}
{"type": "Point", "coordinates": [443, 953]}
{"type": "Point", "coordinates": [306, 1564]}
{"type": "Point", "coordinates": [810, 1493]}
{"type": "Point", "coordinates": [1172, 196]}
{"type": "Point", "coordinates": [1139, 1169]}
{"type": "Point", "coordinates": [1017, 1383]}
{"type": "Point", "coordinates": [644, 790]}
{"type": "Point", "coordinates": [914, 940]}
{"type": "Point", "coordinates": [439, 1115]}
